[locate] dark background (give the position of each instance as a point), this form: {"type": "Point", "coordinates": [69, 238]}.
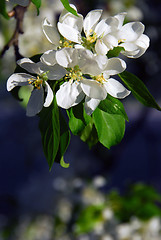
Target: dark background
{"type": "Point", "coordinates": [26, 185]}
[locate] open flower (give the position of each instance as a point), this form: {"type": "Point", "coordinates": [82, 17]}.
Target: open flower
{"type": "Point", "coordinates": [39, 83]}
{"type": "Point", "coordinates": [76, 62]}
{"type": "Point", "coordinates": [100, 36]}
{"type": "Point", "coordinates": [97, 88]}
{"type": "Point", "coordinates": [129, 36]}
{"type": "Point", "coordinates": [87, 76]}
{"type": "Point", "coordinates": [71, 27]}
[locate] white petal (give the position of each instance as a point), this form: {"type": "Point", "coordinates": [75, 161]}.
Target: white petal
{"type": "Point", "coordinates": [51, 32]}
{"type": "Point", "coordinates": [49, 57]}
{"type": "Point", "coordinates": [68, 94]}
{"type": "Point", "coordinates": [115, 66]}
{"type": "Point", "coordinates": [56, 72]}
{"type": "Point", "coordinates": [100, 47]}
{"type": "Point", "coordinates": [49, 96]}
{"type": "Point", "coordinates": [91, 20]}
{"type": "Point", "coordinates": [18, 79]}
{"type": "Point", "coordinates": [131, 31]}
{"type": "Point", "coordinates": [65, 13]}
{"type": "Point", "coordinates": [143, 41]}
{"type": "Point", "coordinates": [120, 17]}
{"type": "Point", "coordinates": [110, 41]}
{"type": "Point", "coordinates": [143, 44]}
{"type": "Point", "coordinates": [87, 62]}
{"type": "Point", "coordinates": [113, 23]}
{"type": "Point", "coordinates": [129, 46]}
{"type": "Point", "coordinates": [29, 65]}
{"type": "Point", "coordinates": [116, 89]}
{"type": "Point", "coordinates": [69, 32]}
{"type": "Point", "coordinates": [93, 89]}
{"type": "Point", "coordinates": [102, 28]}
{"type": "Point", "coordinates": [35, 102]}
{"type": "Point", "coordinates": [79, 97]}
{"type": "Point", "coordinates": [71, 20]}
{"type": "Point", "coordinates": [65, 57]}
{"type": "Point", "coordinates": [90, 105]}
{"type": "Point", "coordinates": [101, 60]}
{"type": "Point", "coordinates": [78, 46]}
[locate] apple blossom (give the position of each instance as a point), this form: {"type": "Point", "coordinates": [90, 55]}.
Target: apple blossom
{"type": "Point", "coordinates": [87, 76]}
{"type": "Point", "coordinates": [100, 36]}
{"type": "Point", "coordinates": [38, 83]}
{"type": "Point", "coordinates": [129, 36]}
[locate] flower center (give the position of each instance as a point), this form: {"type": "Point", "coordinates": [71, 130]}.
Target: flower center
{"type": "Point", "coordinates": [92, 37]}
{"type": "Point", "coordinates": [100, 79]}
{"type": "Point", "coordinates": [65, 43]}
{"type": "Point", "coordinates": [74, 74]}
{"type": "Point", "coordinates": [38, 82]}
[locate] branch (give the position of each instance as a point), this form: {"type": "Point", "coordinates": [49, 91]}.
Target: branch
{"type": "Point", "coordinates": [17, 12]}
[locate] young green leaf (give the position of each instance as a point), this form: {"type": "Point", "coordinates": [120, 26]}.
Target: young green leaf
{"type": "Point", "coordinates": [3, 9]}
{"type": "Point", "coordinates": [68, 7]}
{"type": "Point", "coordinates": [138, 89]}
{"type": "Point", "coordinates": [37, 3]}
{"type": "Point", "coordinates": [89, 134]}
{"type": "Point", "coordinates": [78, 119]}
{"type": "Point", "coordinates": [82, 125]}
{"type": "Point", "coordinates": [64, 141]}
{"type": "Point", "coordinates": [110, 127]}
{"type": "Point", "coordinates": [50, 131]}
{"type": "Point", "coordinates": [64, 164]}
{"type": "Point", "coordinates": [113, 106]}
{"type": "Point", "coordinates": [114, 52]}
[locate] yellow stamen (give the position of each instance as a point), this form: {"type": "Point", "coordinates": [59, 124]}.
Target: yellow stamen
{"type": "Point", "coordinates": [100, 79]}
{"type": "Point", "coordinates": [74, 74]}
{"type": "Point", "coordinates": [36, 82]}
{"type": "Point", "coordinates": [121, 41]}
{"type": "Point", "coordinates": [92, 38]}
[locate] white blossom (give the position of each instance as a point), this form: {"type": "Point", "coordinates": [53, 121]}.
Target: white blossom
{"type": "Point", "coordinates": [38, 83]}
{"type": "Point", "coordinates": [129, 36]}
{"type": "Point", "coordinates": [95, 86]}
{"type": "Point", "coordinates": [100, 35]}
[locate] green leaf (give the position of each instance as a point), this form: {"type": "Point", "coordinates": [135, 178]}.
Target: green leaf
{"type": "Point", "coordinates": [37, 3]}
{"type": "Point", "coordinates": [139, 90]}
{"type": "Point", "coordinates": [89, 134]}
{"type": "Point", "coordinates": [78, 119]}
{"type": "Point", "coordinates": [50, 131]}
{"type": "Point", "coordinates": [68, 7]}
{"type": "Point", "coordinates": [64, 164]}
{"type": "Point", "coordinates": [110, 127]}
{"type": "Point", "coordinates": [115, 52]}
{"type": "Point", "coordinates": [3, 9]}
{"type": "Point", "coordinates": [64, 141]}
{"type": "Point", "coordinates": [113, 106]}
{"type": "Point", "coordinates": [82, 125]}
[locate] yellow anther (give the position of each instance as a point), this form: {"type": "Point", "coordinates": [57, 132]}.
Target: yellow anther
{"type": "Point", "coordinates": [121, 41]}
{"type": "Point", "coordinates": [74, 74]}
{"type": "Point", "coordinates": [91, 30]}
{"type": "Point", "coordinates": [92, 38]}
{"type": "Point", "coordinates": [36, 82]}
{"type": "Point", "coordinates": [100, 79]}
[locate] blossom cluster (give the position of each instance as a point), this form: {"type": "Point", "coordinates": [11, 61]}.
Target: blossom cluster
{"type": "Point", "coordinates": [79, 65]}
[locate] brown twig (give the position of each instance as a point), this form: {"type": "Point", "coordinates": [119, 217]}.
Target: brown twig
{"type": "Point", "coordinates": [17, 12]}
